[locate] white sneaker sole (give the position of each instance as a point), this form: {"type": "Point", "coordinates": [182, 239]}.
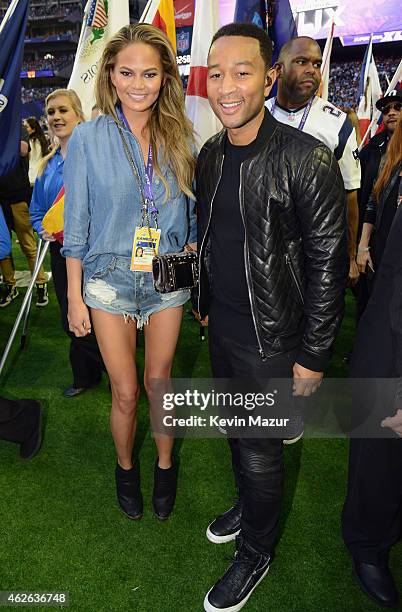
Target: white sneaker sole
{"type": "Point", "coordinates": [289, 441]}
{"type": "Point", "coordinates": [220, 539]}
{"type": "Point", "coordinates": [210, 608]}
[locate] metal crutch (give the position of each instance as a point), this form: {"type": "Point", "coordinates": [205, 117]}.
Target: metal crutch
{"type": "Point", "coordinates": [28, 308]}
{"type": "Point", "coordinates": [25, 301]}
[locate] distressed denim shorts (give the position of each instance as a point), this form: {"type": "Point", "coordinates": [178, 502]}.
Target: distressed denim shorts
{"type": "Point", "coordinates": [118, 290]}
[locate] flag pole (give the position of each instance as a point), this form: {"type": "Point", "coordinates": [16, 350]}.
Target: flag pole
{"type": "Point", "coordinates": [28, 307]}
{"type": "Point", "coordinates": [26, 299]}
{"type": "Point", "coordinates": [8, 14]}
{"type": "Point", "coordinates": [145, 11]}
{"type": "Point", "coordinates": [391, 86]}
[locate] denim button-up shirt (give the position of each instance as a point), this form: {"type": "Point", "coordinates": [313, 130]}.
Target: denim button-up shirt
{"type": "Point", "coordinates": [103, 203]}
{"type": "Point", "coordinates": [46, 190]}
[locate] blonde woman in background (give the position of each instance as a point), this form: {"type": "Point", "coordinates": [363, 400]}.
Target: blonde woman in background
{"type": "Point", "coordinates": [64, 113]}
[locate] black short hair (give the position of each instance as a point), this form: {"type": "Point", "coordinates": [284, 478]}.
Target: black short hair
{"type": "Point", "coordinates": [249, 30]}
{"type": "Point", "coordinates": [287, 47]}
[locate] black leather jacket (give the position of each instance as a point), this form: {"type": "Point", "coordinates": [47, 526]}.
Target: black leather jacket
{"type": "Point", "coordinates": [292, 201]}
{"type": "Point", "coordinates": [370, 159]}
{"type": "Point", "coordinates": [374, 209]}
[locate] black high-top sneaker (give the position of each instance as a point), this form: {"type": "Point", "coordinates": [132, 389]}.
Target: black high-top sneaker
{"type": "Point", "coordinates": [226, 526]}
{"type": "Point", "coordinates": [232, 591]}
{"type": "Point", "coordinates": [42, 298]}
{"type": "Point", "coordinates": [8, 294]}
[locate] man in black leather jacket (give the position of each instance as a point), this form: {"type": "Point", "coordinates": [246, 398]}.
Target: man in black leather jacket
{"type": "Point", "coordinates": [273, 268]}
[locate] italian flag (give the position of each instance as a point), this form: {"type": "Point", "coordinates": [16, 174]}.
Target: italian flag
{"type": "Point", "coordinates": [160, 13]}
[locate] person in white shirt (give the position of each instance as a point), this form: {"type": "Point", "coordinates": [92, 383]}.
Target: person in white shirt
{"type": "Point", "coordinates": [297, 105]}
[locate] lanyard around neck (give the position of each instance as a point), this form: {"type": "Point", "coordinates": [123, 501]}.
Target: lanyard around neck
{"type": "Point", "coordinates": [305, 114]}
{"type": "Point", "coordinates": [148, 202]}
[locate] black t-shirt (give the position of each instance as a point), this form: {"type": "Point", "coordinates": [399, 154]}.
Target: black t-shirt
{"type": "Point", "coordinates": [230, 308]}
{"type": "Point", "coordinates": [14, 186]}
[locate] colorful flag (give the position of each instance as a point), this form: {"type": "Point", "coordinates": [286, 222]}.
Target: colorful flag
{"type": "Point", "coordinates": [12, 32]}
{"type": "Point", "coordinates": [326, 61]}
{"type": "Point", "coordinates": [376, 91]}
{"type": "Point", "coordinates": [394, 84]}
{"type": "Point", "coordinates": [53, 221]}
{"type": "Point", "coordinates": [161, 14]}
{"type": "Point", "coordinates": [364, 93]}
{"type": "Point", "coordinates": [206, 24]}
{"type": "Point", "coordinates": [102, 19]}
{"type": "Point", "coordinates": [97, 17]}
{"type": "Point", "coordinates": [369, 92]}
{"type": "Point", "coordinates": [281, 26]}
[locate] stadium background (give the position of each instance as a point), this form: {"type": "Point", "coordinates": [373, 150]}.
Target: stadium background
{"type": "Point", "coordinates": [53, 32]}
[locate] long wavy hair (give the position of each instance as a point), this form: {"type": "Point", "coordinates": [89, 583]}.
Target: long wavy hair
{"type": "Point", "coordinates": [77, 108]}
{"type": "Point", "coordinates": [393, 158]}
{"type": "Point", "coordinates": [38, 134]}
{"type": "Point", "coordinates": [168, 125]}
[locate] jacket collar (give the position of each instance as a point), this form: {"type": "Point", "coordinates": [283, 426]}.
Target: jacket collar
{"type": "Point", "coordinates": [267, 129]}
{"type": "Point", "coordinates": [379, 140]}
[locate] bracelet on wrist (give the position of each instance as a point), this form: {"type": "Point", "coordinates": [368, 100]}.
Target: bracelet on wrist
{"type": "Point", "coordinates": [363, 249]}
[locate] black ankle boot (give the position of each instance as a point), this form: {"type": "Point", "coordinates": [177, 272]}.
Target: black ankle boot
{"type": "Point", "coordinates": [128, 490]}
{"type": "Point", "coordinates": [164, 494]}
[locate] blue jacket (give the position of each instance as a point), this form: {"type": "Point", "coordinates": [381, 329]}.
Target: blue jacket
{"type": "Point", "coordinates": [103, 198]}
{"type": "Point", "coordinates": [5, 239]}
{"type": "Point", "coordinates": [46, 189]}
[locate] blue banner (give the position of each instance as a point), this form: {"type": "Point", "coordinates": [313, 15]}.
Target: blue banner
{"type": "Point", "coordinates": [11, 52]}
{"type": "Point", "coordinates": [282, 25]}
{"type": "Point", "coordinates": [251, 12]}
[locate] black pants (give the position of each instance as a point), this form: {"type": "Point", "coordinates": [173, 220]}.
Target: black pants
{"type": "Point", "coordinates": [257, 463]}
{"type": "Point", "coordinates": [371, 519]}
{"type": "Point", "coordinates": [17, 420]}
{"type": "Point", "coordinates": [85, 358]}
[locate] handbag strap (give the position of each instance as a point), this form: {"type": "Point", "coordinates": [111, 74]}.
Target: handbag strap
{"type": "Point", "coordinates": [145, 214]}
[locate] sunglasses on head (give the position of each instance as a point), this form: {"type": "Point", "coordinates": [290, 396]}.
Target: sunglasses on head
{"type": "Point", "coordinates": [394, 105]}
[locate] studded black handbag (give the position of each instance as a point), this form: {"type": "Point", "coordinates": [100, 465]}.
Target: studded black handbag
{"type": "Point", "coordinates": [175, 271]}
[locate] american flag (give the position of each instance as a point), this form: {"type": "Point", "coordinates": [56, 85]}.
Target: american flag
{"type": "Point", "coordinates": [97, 17]}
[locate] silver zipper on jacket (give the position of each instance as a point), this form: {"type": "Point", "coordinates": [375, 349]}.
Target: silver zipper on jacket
{"type": "Point", "coordinates": [247, 268]}
{"type": "Point", "coordinates": [293, 275]}
{"type": "Point", "coordinates": [206, 232]}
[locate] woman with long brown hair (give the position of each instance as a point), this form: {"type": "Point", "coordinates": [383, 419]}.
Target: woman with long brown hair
{"type": "Point", "coordinates": [372, 514]}
{"type": "Point", "coordinates": [39, 147]}
{"type": "Point", "coordinates": [382, 206]}
{"type": "Point", "coordinates": [128, 181]}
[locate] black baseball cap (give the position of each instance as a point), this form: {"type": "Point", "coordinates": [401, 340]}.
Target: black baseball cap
{"type": "Point", "coordinates": [393, 96]}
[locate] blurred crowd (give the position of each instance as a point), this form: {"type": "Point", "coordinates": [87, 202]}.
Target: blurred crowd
{"type": "Point", "coordinates": [49, 63]}
{"type": "Point", "coordinates": [55, 8]}
{"type": "Point", "coordinates": [54, 35]}
{"type": "Point", "coordinates": [36, 94]}
{"type": "Point", "coordinates": [344, 80]}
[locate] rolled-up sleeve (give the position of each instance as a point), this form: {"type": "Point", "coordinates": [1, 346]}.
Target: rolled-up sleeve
{"type": "Point", "coordinates": [76, 199]}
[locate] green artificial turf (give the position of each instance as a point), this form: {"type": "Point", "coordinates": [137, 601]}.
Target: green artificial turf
{"type": "Point", "coordinates": [60, 528]}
